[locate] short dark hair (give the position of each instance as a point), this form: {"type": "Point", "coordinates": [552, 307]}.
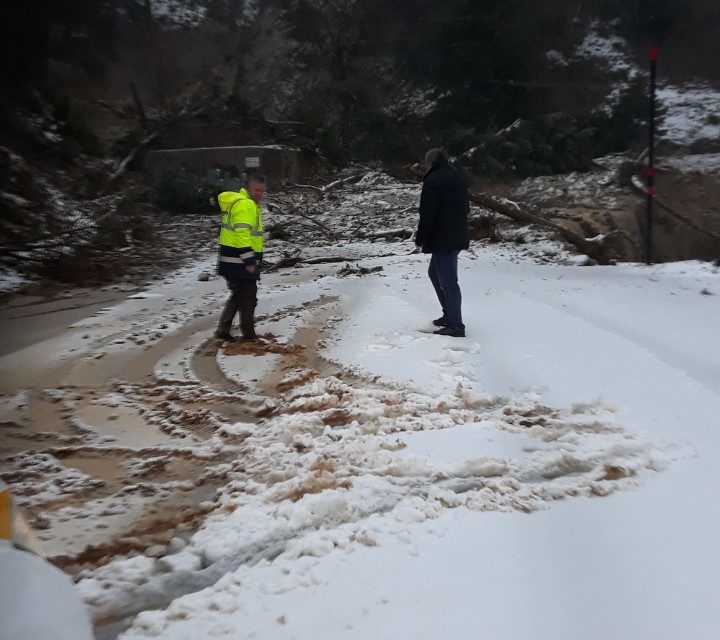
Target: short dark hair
{"type": "Point", "coordinates": [254, 177]}
{"type": "Point", "coordinates": [436, 156]}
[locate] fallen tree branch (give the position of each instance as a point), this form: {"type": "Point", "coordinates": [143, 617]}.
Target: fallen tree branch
{"type": "Point", "coordinates": [337, 183]}
{"type": "Point", "coordinates": [296, 212]}
{"type": "Point", "coordinates": [403, 234]}
{"type": "Point", "coordinates": [592, 247]}
{"type": "Point", "coordinates": [291, 260]}
{"type": "Point", "coordinates": [48, 242]}
{"type": "Point", "coordinates": [599, 165]}
{"type": "Point", "coordinates": [21, 256]}
{"type": "Point", "coordinates": [127, 160]}
{"type": "Point", "coordinates": [412, 207]}
{"type": "Point", "coordinates": [109, 107]}
{"type": "Point", "coordinates": [467, 155]}
{"type": "Point", "coordinates": [328, 259]}
{"type": "Point", "coordinates": [139, 110]}
{"type": "Point", "coordinates": [309, 186]}
{"type": "Point", "coordinates": [293, 122]}
{"type": "Point", "coordinates": [288, 260]}
{"type": "Point", "coordinates": [357, 270]}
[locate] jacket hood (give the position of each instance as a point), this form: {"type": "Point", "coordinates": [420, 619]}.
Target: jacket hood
{"type": "Point", "coordinates": [435, 167]}
{"type": "Point", "coordinates": [227, 199]}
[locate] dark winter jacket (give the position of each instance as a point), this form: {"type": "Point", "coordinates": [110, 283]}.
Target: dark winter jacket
{"type": "Point", "coordinates": [444, 211]}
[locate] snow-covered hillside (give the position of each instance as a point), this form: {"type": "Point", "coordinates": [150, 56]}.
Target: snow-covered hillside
{"type": "Point", "coordinates": [692, 109]}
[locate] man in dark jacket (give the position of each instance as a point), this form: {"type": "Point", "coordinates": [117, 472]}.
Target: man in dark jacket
{"type": "Point", "coordinates": [443, 232]}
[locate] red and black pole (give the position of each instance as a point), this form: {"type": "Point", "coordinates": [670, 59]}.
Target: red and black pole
{"type": "Point", "coordinates": [650, 189]}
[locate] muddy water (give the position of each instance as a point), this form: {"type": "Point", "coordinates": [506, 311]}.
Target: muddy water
{"type": "Point", "coordinates": [73, 415]}
{"type": "Point", "coordinates": [143, 433]}
{"type": "Point", "coordinates": [204, 364]}
{"type": "Point", "coordinates": [134, 363]}
{"type": "Point", "coordinates": [27, 320]}
{"type": "Point", "coordinates": [309, 357]}
{"type": "Point", "coordinates": [126, 460]}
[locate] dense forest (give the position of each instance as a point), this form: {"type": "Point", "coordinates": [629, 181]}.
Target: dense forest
{"type": "Point", "coordinates": [512, 88]}
{"type": "Point", "coordinates": [370, 79]}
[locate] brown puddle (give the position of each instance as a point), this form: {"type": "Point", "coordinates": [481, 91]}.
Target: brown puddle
{"type": "Point", "coordinates": [135, 437]}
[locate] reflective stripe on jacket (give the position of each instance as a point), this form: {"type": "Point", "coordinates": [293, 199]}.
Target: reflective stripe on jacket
{"type": "Point", "coordinates": [242, 223]}
{"type": "Point", "coordinates": [241, 236]}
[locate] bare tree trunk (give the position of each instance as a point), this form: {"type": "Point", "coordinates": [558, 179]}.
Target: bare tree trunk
{"type": "Point", "coordinates": [126, 160]}
{"type": "Point", "coordinates": [296, 211]}
{"type": "Point", "coordinates": [591, 247]}
{"type": "Point", "coordinates": [403, 234]}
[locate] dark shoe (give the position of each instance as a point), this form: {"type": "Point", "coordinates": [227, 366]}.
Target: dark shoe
{"type": "Point", "coordinates": [250, 338]}
{"type": "Point", "coordinates": [225, 336]}
{"type": "Point", "coordinates": [455, 332]}
{"type": "Point", "coordinates": [440, 322]}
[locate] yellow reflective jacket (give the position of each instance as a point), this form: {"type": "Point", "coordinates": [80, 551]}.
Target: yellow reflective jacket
{"type": "Point", "coordinates": [241, 235]}
{"type": "Point", "coordinates": [242, 224]}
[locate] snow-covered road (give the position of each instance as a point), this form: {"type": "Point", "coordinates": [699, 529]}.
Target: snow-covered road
{"type": "Point", "coordinates": [440, 518]}
{"type": "Point", "coordinates": [553, 475]}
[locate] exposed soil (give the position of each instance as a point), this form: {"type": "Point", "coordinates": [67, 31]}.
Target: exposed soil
{"type": "Point", "coordinates": [686, 212]}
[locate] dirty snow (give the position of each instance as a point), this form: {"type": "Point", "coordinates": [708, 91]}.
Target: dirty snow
{"type": "Point", "coordinates": [438, 461]}
{"type": "Point", "coordinates": [706, 163]}
{"type": "Point", "coordinates": [40, 478]}
{"type": "Point", "coordinates": [11, 280]}
{"type": "Point", "coordinates": [393, 482]}
{"type": "Point", "coordinates": [693, 113]}
{"type": "Point", "coordinates": [178, 13]}
{"type": "Point", "coordinates": [589, 189]}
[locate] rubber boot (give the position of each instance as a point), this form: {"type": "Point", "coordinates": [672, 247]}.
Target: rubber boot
{"type": "Point", "coordinates": [227, 316]}
{"type": "Point", "coordinates": [247, 322]}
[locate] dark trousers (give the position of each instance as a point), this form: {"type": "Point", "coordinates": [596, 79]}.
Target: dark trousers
{"type": "Point", "coordinates": [243, 298]}
{"type": "Point", "coordinates": [443, 275]}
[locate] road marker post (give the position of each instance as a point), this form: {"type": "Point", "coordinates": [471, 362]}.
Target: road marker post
{"type": "Point", "coordinates": [650, 185]}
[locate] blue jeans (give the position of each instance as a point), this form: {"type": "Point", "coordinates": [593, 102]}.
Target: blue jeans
{"type": "Point", "coordinates": [443, 275]}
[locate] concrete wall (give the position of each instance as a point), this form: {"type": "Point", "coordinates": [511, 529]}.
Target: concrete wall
{"type": "Point", "coordinates": [224, 166]}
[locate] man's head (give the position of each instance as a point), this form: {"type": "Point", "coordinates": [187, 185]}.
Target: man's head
{"type": "Point", "coordinates": [255, 186]}
{"type": "Point", "coordinates": [434, 157]}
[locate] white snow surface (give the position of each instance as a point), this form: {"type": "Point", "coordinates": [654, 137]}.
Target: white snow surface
{"type": "Point", "coordinates": [611, 48]}
{"type": "Point", "coordinates": [174, 14]}
{"type": "Point", "coordinates": [553, 475]}
{"type": "Point", "coordinates": [693, 113]}
{"type": "Point", "coordinates": [693, 108]}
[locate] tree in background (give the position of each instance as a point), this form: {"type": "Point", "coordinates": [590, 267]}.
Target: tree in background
{"type": "Point", "coordinates": [342, 67]}
{"type": "Point", "coordinates": [81, 33]}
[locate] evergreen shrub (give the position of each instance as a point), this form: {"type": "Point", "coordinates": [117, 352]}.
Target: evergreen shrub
{"type": "Point", "coordinates": [175, 192]}
{"type": "Point", "coordinates": [77, 136]}
{"type": "Point", "coordinates": [624, 173]}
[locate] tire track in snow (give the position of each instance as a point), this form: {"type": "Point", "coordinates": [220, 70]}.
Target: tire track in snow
{"type": "Point", "coordinates": [325, 458]}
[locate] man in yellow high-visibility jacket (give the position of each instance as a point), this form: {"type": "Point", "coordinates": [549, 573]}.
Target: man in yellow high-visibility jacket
{"type": "Point", "coordinates": [240, 256]}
